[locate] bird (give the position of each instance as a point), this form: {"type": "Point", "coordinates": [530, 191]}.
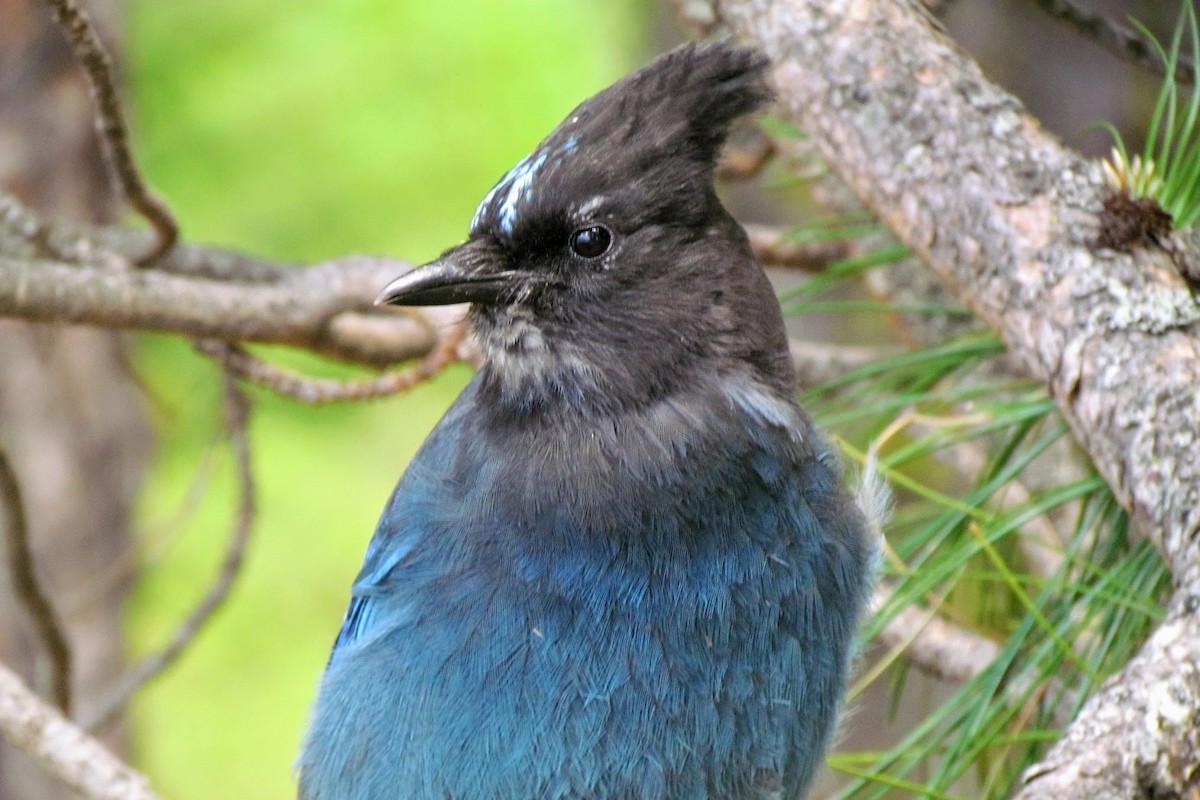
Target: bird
{"type": "Point", "coordinates": [625, 563]}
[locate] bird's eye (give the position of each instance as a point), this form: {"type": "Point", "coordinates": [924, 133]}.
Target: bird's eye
{"type": "Point", "coordinates": [591, 242]}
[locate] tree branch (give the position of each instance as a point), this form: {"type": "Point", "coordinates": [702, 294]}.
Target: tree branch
{"type": "Point", "coordinates": [29, 590]}
{"type": "Point", "coordinates": [775, 247]}
{"type": "Point", "coordinates": [64, 749]}
{"type": "Point", "coordinates": [63, 272]}
{"type": "Point", "coordinates": [113, 699]}
{"type": "Point", "coordinates": [312, 307]}
{"type": "Point", "coordinates": [76, 274]}
{"type": "Point", "coordinates": [1008, 218]}
{"type": "Point", "coordinates": [933, 645]}
{"type": "Point", "coordinates": [238, 362]}
{"type": "Point", "coordinates": [1117, 39]}
{"type": "Point", "coordinates": [746, 157]}
{"type": "Point", "coordinates": [110, 124]}
{"type": "Point", "coordinates": [818, 362]}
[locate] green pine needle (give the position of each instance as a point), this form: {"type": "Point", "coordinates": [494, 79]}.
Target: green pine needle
{"type": "Point", "coordinates": [1168, 168]}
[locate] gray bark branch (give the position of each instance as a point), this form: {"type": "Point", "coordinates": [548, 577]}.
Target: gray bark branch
{"type": "Point", "coordinates": [77, 759]}
{"type": "Point", "coordinates": [28, 588]}
{"type": "Point", "coordinates": [110, 123]}
{"type": "Point", "coordinates": [1117, 39]}
{"type": "Point", "coordinates": [312, 307]}
{"type": "Point", "coordinates": [74, 274]}
{"type": "Point", "coordinates": [64, 273]}
{"type": "Point", "coordinates": [932, 644]}
{"type": "Point", "coordinates": [1008, 218]}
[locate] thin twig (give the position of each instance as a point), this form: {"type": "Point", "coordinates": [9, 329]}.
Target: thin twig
{"type": "Point", "coordinates": [775, 247]}
{"type": "Point", "coordinates": [324, 390]}
{"type": "Point", "coordinates": [237, 412]}
{"type": "Point", "coordinates": [818, 362]}
{"type": "Point", "coordinates": [933, 644]}
{"type": "Point", "coordinates": [949, 652]}
{"type": "Point", "coordinates": [63, 749]}
{"type": "Point", "coordinates": [313, 308]}
{"type": "Point", "coordinates": [1040, 542]}
{"type": "Point", "coordinates": [29, 590]}
{"type": "Point", "coordinates": [936, 6]}
{"type": "Point", "coordinates": [746, 159]}
{"type": "Point", "coordinates": [25, 234]}
{"type": "Point", "coordinates": [160, 539]}
{"type": "Point", "coordinates": [110, 123]}
{"type": "Point", "coordinates": [1119, 40]}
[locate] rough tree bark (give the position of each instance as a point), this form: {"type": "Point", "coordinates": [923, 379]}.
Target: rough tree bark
{"type": "Point", "coordinates": [1009, 219]}
{"type": "Point", "coordinates": [69, 414]}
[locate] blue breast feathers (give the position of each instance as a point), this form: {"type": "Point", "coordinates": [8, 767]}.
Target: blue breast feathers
{"type": "Point", "coordinates": [695, 633]}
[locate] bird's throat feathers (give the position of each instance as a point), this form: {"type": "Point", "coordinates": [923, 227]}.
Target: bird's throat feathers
{"type": "Point", "coordinates": [589, 464]}
{"type": "Point", "coordinates": [533, 372]}
{"type": "Point", "coordinates": [527, 369]}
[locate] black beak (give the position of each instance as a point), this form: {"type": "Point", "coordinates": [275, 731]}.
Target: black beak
{"type": "Point", "coordinates": [459, 275]}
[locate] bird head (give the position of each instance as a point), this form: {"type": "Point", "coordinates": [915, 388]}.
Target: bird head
{"type": "Point", "coordinates": [602, 270]}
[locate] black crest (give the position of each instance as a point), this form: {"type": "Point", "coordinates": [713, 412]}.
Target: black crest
{"type": "Point", "coordinates": [684, 101]}
{"type": "Point", "coordinates": [663, 124]}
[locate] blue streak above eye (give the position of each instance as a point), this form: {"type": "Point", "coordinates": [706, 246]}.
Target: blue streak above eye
{"type": "Point", "coordinates": [513, 186]}
{"type": "Point", "coordinates": [519, 190]}
{"type": "Point", "coordinates": [516, 187]}
{"type": "Point", "coordinates": [486, 204]}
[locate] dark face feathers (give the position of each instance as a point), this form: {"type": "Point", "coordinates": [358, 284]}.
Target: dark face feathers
{"type": "Point", "coordinates": [602, 270]}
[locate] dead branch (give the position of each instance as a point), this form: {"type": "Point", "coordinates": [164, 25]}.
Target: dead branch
{"type": "Point", "coordinates": [818, 362]}
{"type": "Point", "coordinates": [1126, 44]}
{"type": "Point", "coordinates": [774, 247]}
{"type": "Point", "coordinates": [63, 748]}
{"type": "Point", "coordinates": [62, 272]}
{"type": "Point", "coordinates": [113, 699]}
{"type": "Point", "coordinates": [1008, 218]}
{"type": "Point", "coordinates": [28, 588]}
{"type": "Point", "coordinates": [77, 274]}
{"type": "Point", "coordinates": [315, 308]}
{"type": "Point", "coordinates": [238, 362]}
{"type": "Point", "coordinates": [1040, 540]}
{"type": "Point", "coordinates": [745, 158]}
{"type": "Point", "coordinates": [933, 645]}
{"type": "Point", "coordinates": [110, 124]}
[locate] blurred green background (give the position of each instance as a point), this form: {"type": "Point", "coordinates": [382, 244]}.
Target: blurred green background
{"type": "Point", "coordinates": [305, 131]}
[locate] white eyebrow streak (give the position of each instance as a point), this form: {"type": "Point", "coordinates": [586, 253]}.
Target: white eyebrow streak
{"type": "Point", "coordinates": [591, 205]}
{"type": "Point", "coordinates": [503, 186]}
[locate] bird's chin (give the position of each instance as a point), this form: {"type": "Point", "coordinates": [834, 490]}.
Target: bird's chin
{"type": "Point", "coordinates": [501, 323]}
{"type": "Point", "coordinates": [525, 366]}
{"type": "Point", "coordinates": [511, 338]}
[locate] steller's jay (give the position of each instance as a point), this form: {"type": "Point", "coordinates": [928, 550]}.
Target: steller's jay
{"type": "Point", "coordinates": [624, 565]}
